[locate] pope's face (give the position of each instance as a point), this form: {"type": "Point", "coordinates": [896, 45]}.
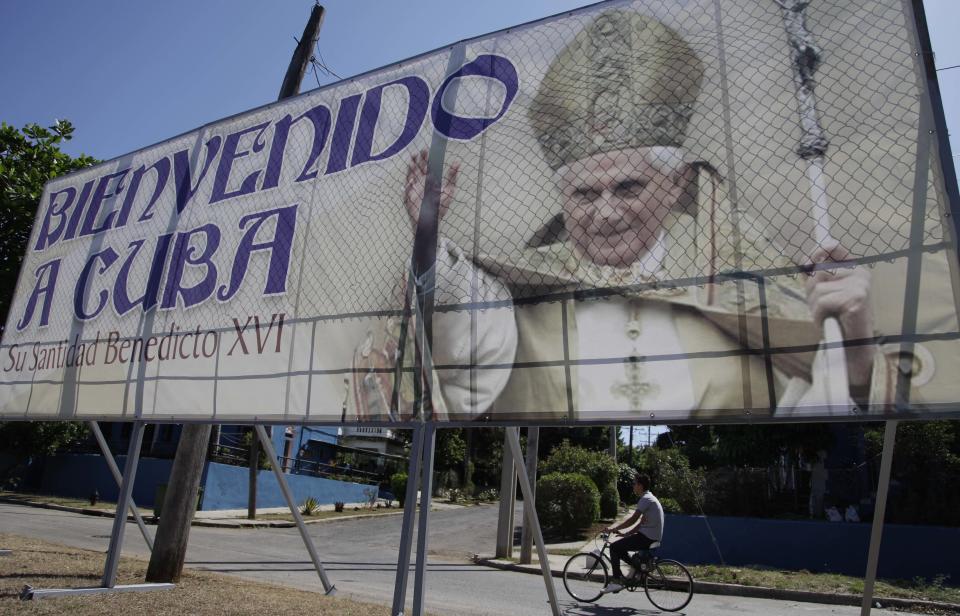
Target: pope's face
{"type": "Point", "coordinates": [615, 205]}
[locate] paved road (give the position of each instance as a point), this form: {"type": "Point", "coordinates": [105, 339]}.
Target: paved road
{"type": "Point", "coordinates": [360, 556]}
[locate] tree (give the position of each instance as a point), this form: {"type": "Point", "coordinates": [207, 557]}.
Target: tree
{"type": "Point", "coordinates": [596, 438]}
{"type": "Point", "coordinates": [38, 438]}
{"type": "Point", "coordinates": [29, 158]}
{"type": "Point", "coordinates": [926, 464]}
{"type": "Point", "coordinates": [747, 445]}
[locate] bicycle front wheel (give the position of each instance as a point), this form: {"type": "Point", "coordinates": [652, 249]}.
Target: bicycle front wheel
{"type": "Point", "coordinates": [584, 577]}
{"type": "Point", "coordinates": [669, 586]}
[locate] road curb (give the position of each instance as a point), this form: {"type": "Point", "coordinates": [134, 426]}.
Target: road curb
{"type": "Point", "coordinates": [754, 592]}
{"type": "Point", "coordinates": [232, 523]}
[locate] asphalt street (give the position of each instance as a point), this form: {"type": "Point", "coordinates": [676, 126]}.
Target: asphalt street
{"type": "Point", "coordinates": [360, 557]}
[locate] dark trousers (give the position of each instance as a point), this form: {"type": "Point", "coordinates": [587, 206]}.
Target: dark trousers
{"type": "Point", "coordinates": [619, 549]}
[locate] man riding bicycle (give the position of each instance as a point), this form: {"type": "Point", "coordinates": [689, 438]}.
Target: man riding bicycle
{"type": "Point", "coordinates": [649, 513]}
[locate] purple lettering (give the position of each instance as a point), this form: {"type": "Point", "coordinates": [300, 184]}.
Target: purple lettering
{"type": "Point", "coordinates": [181, 172]}
{"type": "Point", "coordinates": [488, 66]}
{"type": "Point", "coordinates": [230, 154]}
{"type": "Point", "coordinates": [319, 116]}
{"type": "Point", "coordinates": [74, 222]}
{"type": "Point", "coordinates": [185, 254]}
{"type": "Point", "coordinates": [99, 196]}
{"type": "Point", "coordinates": [342, 131]}
{"type": "Point", "coordinates": [418, 95]}
{"type": "Point", "coordinates": [162, 169]}
{"type": "Point", "coordinates": [48, 235]}
{"type": "Point", "coordinates": [45, 285]}
{"type": "Point", "coordinates": [108, 256]}
{"type": "Point", "coordinates": [121, 297]}
{"type": "Point", "coordinates": [279, 246]}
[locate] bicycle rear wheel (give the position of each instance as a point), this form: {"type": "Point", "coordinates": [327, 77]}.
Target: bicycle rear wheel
{"type": "Point", "coordinates": [584, 577]}
{"type": "Point", "coordinates": [669, 586]}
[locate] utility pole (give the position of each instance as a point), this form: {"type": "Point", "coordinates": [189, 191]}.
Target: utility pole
{"type": "Point", "coordinates": [179, 505]}
{"type": "Point", "coordinates": [290, 87]}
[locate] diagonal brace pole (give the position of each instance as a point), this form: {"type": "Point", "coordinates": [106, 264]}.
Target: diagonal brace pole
{"type": "Point", "coordinates": [879, 511]}
{"type": "Point", "coordinates": [513, 439]}
{"type": "Point", "coordinates": [409, 513]}
{"type": "Point", "coordinates": [115, 471]}
{"type": "Point", "coordinates": [329, 588]}
{"type": "Point", "coordinates": [423, 519]}
{"type": "Point", "coordinates": [120, 519]}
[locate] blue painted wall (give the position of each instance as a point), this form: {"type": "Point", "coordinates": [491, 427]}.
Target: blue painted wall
{"type": "Point", "coordinates": [836, 547]}
{"type": "Point", "coordinates": [226, 488]}
{"type": "Point", "coordinates": [78, 475]}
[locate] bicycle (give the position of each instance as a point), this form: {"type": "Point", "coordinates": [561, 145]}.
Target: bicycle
{"type": "Point", "coordinates": [667, 583]}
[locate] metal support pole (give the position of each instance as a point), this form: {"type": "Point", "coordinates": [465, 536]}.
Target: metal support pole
{"type": "Point", "coordinates": [508, 494]}
{"type": "Point", "coordinates": [409, 512]}
{"type": "Point", "coordinates": [879, 510]}
{"type": "Point", "coordinates": [329, 588]}
{"type": "Point", "coordinates": [120, 519]}
{"type": "Point", "coordinates": [109, 582]}
{"type": "Point", "coordinates": [426, 487]}
{"type": "Point", "coordinates": [253, 470]}
{"type": "Point", "coordinates": [112, 464]}
{"type": "Point", "coordinates": [526, 536]}
{"type": "Point", "coordinates": [513, 439]}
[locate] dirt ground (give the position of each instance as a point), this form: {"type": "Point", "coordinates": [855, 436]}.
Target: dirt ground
{"type": "Point", "coordinates": [47, 565]}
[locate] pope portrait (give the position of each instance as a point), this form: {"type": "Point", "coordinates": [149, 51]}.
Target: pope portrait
{"type": "Point", "coordinates": [622, 305]}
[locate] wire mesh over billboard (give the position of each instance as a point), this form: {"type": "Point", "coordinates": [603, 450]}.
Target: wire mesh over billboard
{"type": "Point", "coordinates": [657, 211]}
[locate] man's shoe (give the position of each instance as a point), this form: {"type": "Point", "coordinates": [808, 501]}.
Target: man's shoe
{"type": "Point", "coordinates": [614, 585]}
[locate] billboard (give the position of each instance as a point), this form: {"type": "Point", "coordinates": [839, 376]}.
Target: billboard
{"type": "Point", "coordinates": [651, 211]}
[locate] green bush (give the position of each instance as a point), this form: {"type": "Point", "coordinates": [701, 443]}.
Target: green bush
{"type": "Point", "coordinates": [670, 505]}
{"type": "Point", "coordinates": [626, 475]}
{"type": "Point", "coordinates": [490, 494]}
{"type": "Point", "coordinates": [567, 503]}
{"type": "Point", "coordinates": [398, 485]}
{"type": "Point", "coordinates": [609, 502]}
{"type": "Point", "coordinates": [672, 477]}
{"type": "Point", "coordinates": [596, 465]}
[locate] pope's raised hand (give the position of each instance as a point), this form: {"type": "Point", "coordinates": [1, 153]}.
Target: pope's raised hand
{"type": "Point", "coordinates": [844, 293]}
{"type": "Point", "coordinates": [419, 183]}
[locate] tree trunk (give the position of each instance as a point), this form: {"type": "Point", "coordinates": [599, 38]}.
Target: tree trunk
{"type": "Point", "coordinates": [179, 505]}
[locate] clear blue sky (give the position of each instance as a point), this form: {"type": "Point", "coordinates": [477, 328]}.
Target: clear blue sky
{"type": "Point", "coordinates": [129, 74]}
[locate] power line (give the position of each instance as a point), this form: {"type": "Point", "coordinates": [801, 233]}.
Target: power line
{"type": "Point", "coordinates": [323, 63]}
{"type": "Point", "coordinates": [947, 68]}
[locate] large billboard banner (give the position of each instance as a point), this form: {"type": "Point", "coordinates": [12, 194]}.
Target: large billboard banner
{"type": "Point", "coordinates": [652, 211]}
